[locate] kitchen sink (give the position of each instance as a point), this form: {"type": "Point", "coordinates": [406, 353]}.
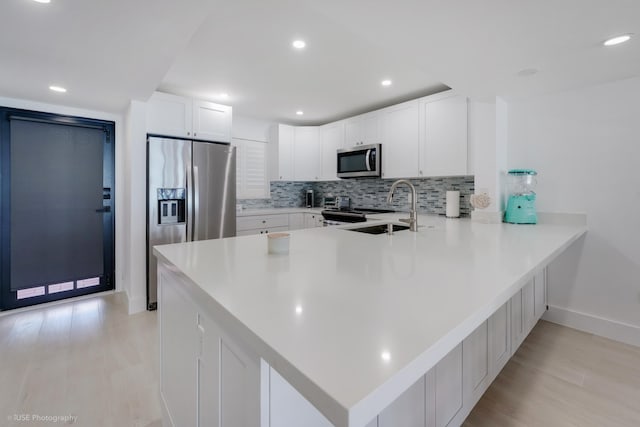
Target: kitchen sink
{"type": "Point", "coordinates": [378, 229]}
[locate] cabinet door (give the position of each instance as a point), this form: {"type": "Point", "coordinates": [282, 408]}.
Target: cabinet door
{"type": "Point", "coordinates": [285, 152]}
{"type": "Point", "coordinates": [353, 132]}
{"type": "Point", "coordinates": [313, 220]}
{"type": "Point", "coordinates": [401, 140]}
{"type": "Point", "coordinates": [229, 387]}
{"type": "Point", "coordinates": [370, 128]}
{"type": "Point", "coordinates": [296, 221]}
{"type": "Point", "coordinates": [499, 339]}
{"type": "Point", "coordinates": [288, 408]}
{"type": "Point", "coordinates": [448, 387]}
{"type": "Point", "coordinates": [169, 115]}
{"type": "Point", "coordinates": [540, 285]}
{"type": "Point", "coordinates": [211, 122]}
{"type": "Point", "coordinates": [306, 154]}
{"type": "Point", "coordinates": [528, 307]}
{"type": "Point", "coordinates": [475, 350]}
{"type": "Point", "coordinates": [332, 139]}
{"type": "Point", "coordinates": [178, 352]}
{"type": "Point", "coordinates": [406, 411]}
{"type": "Point", "coordinates": [443, 150]}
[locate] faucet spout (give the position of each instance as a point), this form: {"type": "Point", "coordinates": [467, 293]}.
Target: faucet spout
{"type": "Point", "coordinates": [413, 217]}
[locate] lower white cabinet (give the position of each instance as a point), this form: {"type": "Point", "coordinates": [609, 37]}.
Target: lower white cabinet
{"type": "Point", "coordinates": [448, 388]}
{"type": "Point", "coordinates": [209, 379]}
{"type": "Point", "coordinates": [296, 221]}
{"type": "Point", "coordinates": [312, 220]}
{"type": "Point", "coordinates": [206, 379]}
{"type": "Point", "coordinates": [288, 408]}
{"type": "Point", "coordinates": [261, 224]}
{"type": "Point", "coordinates": [408, 410]}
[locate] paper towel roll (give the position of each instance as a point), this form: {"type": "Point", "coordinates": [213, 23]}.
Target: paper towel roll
{"type": "Point", "coordinates": [453, 204]}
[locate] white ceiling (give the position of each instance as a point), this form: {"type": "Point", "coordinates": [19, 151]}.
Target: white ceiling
{"type": "Point", "coordinates": [109, 51]}
{"type": "Point", "coordinates": [105, 52]}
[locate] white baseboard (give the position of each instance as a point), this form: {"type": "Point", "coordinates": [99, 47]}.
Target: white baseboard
{"type": "Point", "coordinates": [136, 304]}
{"type": "Point", "coordinates": [612, 329]}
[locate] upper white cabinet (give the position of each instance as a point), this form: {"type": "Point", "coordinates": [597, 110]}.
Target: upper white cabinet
{"type": "Point", "coordinates": [443, 145]}
{"type": "Point", "coordinates": [211, 122]}
{"type": "Point", "coordinates": [362, 130]}
{"type": "Point", "coordinates": [331, 140]}
{"type": "Point", "coordinates": [282, 138]}
{"type": "Point", "coordinates": [400, 140]}
{"type": "Point", "coordinates": [173, 115]}
{"type": "Point", "coordinates": [306, 153]}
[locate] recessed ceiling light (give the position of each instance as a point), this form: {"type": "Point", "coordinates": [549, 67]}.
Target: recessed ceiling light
{"type": "Point", "coordinates": [386, 83]}
{"type": "Point", "coordinates": [42, 1]}
{"type": "Point", "coordinates": [299, 112]}
{"type": "Point", "coordinates": [224, 95]}
{"type": "Point", "coordinates": [617, 40]}
{"type": "Point", "coordinates": [299, 44]}
{"type": "Point", "coordinates": [528, 72]}
{"type": "Point", "coordinates": [58, 89]}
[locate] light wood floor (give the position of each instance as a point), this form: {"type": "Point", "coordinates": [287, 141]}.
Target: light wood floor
{"type": "Point", "coordinates": [563, 377]}
{"type": "Point", "coordinates": [86, 358]}
{"type": "Point", "coordinates": [91, 360]}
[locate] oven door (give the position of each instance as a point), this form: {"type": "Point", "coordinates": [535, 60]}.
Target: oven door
{"type": "Point", "coordinates": [359, 161]}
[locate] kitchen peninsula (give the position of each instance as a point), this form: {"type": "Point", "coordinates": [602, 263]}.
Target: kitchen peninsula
{"type": "Point", "coordinates": [349, 329]}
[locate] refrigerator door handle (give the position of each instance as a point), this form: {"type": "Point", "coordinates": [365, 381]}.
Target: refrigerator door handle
{"type": "Point", "coordinates": [196, 204]}
{"type": "Point", "coordinates": [189, 195]}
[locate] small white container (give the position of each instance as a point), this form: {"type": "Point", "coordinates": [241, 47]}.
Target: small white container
{"type": "Point", "coordinates": [453, 204]}
{"type": "Point", "coordinates": [278, 243]}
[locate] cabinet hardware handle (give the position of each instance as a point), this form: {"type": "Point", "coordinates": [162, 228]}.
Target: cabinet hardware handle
{"type": "Point", "coordinates": [188, 133]}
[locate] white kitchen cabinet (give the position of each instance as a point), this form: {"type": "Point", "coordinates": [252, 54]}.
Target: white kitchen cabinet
{"type": "Point", "coordinates": [448, 388]}
{"type": "Point", "coordinates": [499, 339]}
{"type": "Point", "coordinates": [306, 153]}
{"type": "Point", "coordinates": [236, 371]}
{"type": "Point", "coordinates": [476, 366]}
{"type": "Point", "coordinates": [522, 315]}
{"type": "Point", "coordinates": [261, 224]}
{"type": "Point", "coordinates": [178, 350]}
{"type": "Point", "coordinates": [443, 142]}
{"type": "Point", "coordinates": [400, 140]}
{"type": "Point", "coordinates": [182, 117]}
{"type": "Point", "coordinates": [312, 220]}
{"type": "Point", "coordinates": [288, 408]}
{"type": "Point", "coordinates": [282, 137]}
{"type": "Point", "coordinates": [211, 122]}
{"type": "Point", "coordinates": [331, 140]}
{"type": "Point", "coordinates": [170, 115]}
{"type": "Point", "coordinates": [408, 410]}
{"type": "Point", "coordinates": [296, 221]}
{"type": "Point", "coordinates": [540, 293]}
{"type": "Point", "coordinates": [362, 130]}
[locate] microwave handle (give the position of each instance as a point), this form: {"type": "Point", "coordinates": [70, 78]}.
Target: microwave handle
{"type": "Point", "coordinates": [366, 159]}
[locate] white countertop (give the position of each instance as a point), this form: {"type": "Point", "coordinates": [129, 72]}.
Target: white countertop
{"type": "Point", "coordinates": [324, 315]}
{"type": "Point", "coordinates": [275, 211]}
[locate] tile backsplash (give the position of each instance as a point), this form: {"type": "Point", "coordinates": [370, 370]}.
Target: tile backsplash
{"type": "Point", "coordinates": [370, 193]}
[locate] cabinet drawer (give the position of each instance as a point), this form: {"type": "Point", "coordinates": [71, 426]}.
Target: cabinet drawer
{"type": "Point", "coordinates": [261, 231]}
{"type": "Point", "coordinates": [261, 222]}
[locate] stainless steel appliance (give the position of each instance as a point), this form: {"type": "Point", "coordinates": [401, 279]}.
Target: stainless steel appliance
{"type": "Point", "coordinates": [360, 161]}
{"type": "Point", "coordinates": [348, 216]}
{"type": "Point", "coordinates": [191, 190]}
{"type": "Point", "coordinates": [310, 200]}
{"type": "Point", "coordinates": [343, 203]}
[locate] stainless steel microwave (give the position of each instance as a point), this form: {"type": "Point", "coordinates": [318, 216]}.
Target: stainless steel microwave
{"type": "Point", "coordinates": [360, 161]}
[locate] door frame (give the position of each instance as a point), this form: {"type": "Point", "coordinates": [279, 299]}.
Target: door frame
{"type": "Point", "coordinates": [8, 298]}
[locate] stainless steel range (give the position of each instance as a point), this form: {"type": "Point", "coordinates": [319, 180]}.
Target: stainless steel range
{"type": "Point", "coordinates": [349, 216]}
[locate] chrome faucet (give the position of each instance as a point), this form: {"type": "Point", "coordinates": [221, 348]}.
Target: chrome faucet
{"type": "Point", "coordinates": [413, 216]}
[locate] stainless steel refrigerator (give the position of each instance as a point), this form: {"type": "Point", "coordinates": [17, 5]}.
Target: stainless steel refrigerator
{"type": "Point", "coordinates": [191, 190]}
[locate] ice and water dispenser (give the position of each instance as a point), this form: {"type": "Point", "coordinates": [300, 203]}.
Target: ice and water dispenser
{"type": "Point", "coordinates": [171, 206]}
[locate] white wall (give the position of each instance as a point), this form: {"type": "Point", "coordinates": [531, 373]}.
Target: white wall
{"type": "Point", "coordinates": [121, 260]}
{"type": "Point", "coordinates": [585, 144]}
{"type": "Point", "coordinates": [135, 185]}
{"type": "Point", "coordinates": [251, 129]}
